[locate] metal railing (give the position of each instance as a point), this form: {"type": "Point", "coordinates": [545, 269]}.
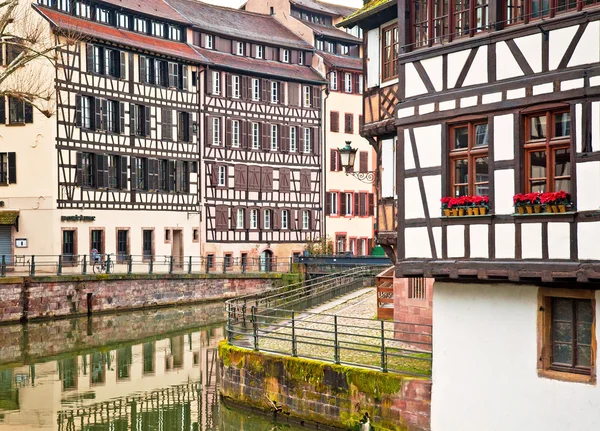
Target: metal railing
{"type": "Point", "coordinates": [138, 264]}
{"type": "Point", "coordinates": [276, 322]}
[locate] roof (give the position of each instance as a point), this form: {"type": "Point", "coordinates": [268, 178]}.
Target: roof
{"type": "Point", "coordinates": [8, 217]}
{"type": "Point", "coordinates": [157, 8]}
{"type": "Point", "coordinates": [328, 8]}
{"type": "Point", "coordinates": [371, 8]}
{"type": "Point", "coordinates": [105, 32]}
{"type": "Point", "coordinates": [240, 24]}
{"type": "Point", "coordinates": [261, 67]}
{"type": "Point", "coordinates": [341, 61]}
{"type": "Point", "coordinates": [336, 33]}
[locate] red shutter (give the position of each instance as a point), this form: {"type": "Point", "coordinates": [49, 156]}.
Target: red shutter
{"type": "Point", "coordinates": [228, 81]}
{"type": "Point", "coordinates": [267, 179]}
{"type": "Point", "coordinates": [214, 175]}
{"type": "Point", "coordinates": [339, 161]}
{"type": "Point", "coordinates": [284, 180]}
{"type": "Point", "coordinates": [371, 204]}
{"type": "Point", "coordinates": [316, 102]}
{"type": "Point", "coordinates": [254, 178]}
{"type": "Point", "coordinates": [342, 203]}
{"type": "Point", "coordinates": [364, 161]}
{"type": "Point", "coordinates": [333, 160]}
{"type": "Point", "coordinates": [356, 208]}
{"type": "Point", "coordinates": [356, 83]}
{"type": "Point", "coordinates": [334, 121]}
{"type": "Point", "coordinates": [221, 218]}
{"type": "Point", "coordinates": [276, 219]}
{"type": "Point", "coordinates": [228, 132]}
{"type": "Point", "coordinates": [305, 181]}
{"type": "Point", "coordinates": [234, 218]}
{"type": "Point", "coordinates": [349, 123]}
{"type": "Point", "coordinates": [327, 203]}
{"type": "Point", "coordinates": [240, 177]}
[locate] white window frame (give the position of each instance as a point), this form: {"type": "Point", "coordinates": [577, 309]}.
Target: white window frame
{"type": "Point", "coordinates": [286, 55]}
{"type": "Point", "coordinates": [174, 33]}
{"type": "Point", "coordinates": [235, 86]}
{"type": "Point", "coordinates": [349, 207]}
{"type": "Point", "coordinates": [86, 112]}
{"type": "Point", "coordinates": [285, 219]}
{"type": "Point", "coordinates": [306, 149]}
{"type": "Point", "coordinates": [158, 29]}
{"type": "Point", "coordinates": [64, 5]}
{"type": "Point", "coordinates": [333, 210]}
{"type": "Point", "coordinates": [216, 82]}
{"type": "Point", "coordinates": [267, 220]}
{"type": "Point", "coordinates": [216, 131]}
{"type": "Point", "coordinates": [300, 58]}
{"type": "Point", "coordinates": [255, 89]}
{"type": "Point", "coordinates": [102, 15]}
{"type": "Point", "coordinates": [348, 82]}
{"type": "Point", "coordinates": [253, 219]}
{"type": "Point", "coordinates": [209, 41]}
{"type": "Point", "coordinates": [333, 80]}
{"type": "Point", "coordinates": [274, 93]}
{"type": "Point", "coordinates": [320, 45]}
{"type": "Point", "coordinates": [305, 220]}
{"type": "Point", "coordinates": [274, 142]}
{"type": "Point", "coordinates": [255, 136]}
{"type": "Point", "coordinates": [360, 84]}
{"type": "Point", "coordinates": [140, 25]}
{"type": "Point", "coordinates": [293, 139]}
{"type": "Point", "coordinates": [122, 20]}
{"type": "Point", "coordinates": [239, 222]}
{"type": "Point", "coordinates": [240, 48]}
{"type": "Point", "coordinates": [83, 10]}
{"type": "Point", "coordinates": [235, 133]}
{"type": "Point", "coordinates": [259, 51]}
{"type": "Point", "coordinates": [306, 91]}
{"type": "Point", "coordinates": [222, 176]}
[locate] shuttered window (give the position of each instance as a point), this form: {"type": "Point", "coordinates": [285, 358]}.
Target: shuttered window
{"type": "Point", "coordinates": [349, 123]}
{"type": "Point", "coordinates": [8, 168]}
{"type": "Point", "coordinates": [293, 139]}
{"type": "Point", "coordinates": [363, 162]}
{"type": "Point", "coordinates": [334, 121]}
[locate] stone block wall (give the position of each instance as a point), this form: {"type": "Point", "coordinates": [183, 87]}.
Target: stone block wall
{"type": "Point", "coordinates": [413, 311]}
{"type": "Point", "coordinates": [322, 393]}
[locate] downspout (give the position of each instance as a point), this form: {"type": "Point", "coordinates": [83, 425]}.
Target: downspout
{"type": "Point", "coordinates": [201, 167]}
{"type": "Point", "coordinates": [324, 165]}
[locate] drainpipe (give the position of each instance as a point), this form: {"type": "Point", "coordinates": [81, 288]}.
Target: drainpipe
{"type": "Point", "coordinates": [324, 166]}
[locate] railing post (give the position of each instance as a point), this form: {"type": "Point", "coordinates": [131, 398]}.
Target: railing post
{"type": "Point", "coordinates": [130, 265]}
{"type": "Point", "coordinates": [84, 265]}
{"type": "Point", "coordinates": [3, 265]}
{"type": "Point", "coordinates": [60, 265]}
{"type": "Point", "coordinates": [294, 345]}
{"type": "Point", "coordinates": [383, 361]}
{"type": "Point", "coordinates": [32, 268]}
{"type": "Point", "coordinates": [190, 265]}
{"type": "Point", "coordinates": [255, 328]}
{"type": "Point", "coordinates": [151, 265]}
{"type": "Point", "coordinates": [171, 265]}
{"type": "Point", "coordinates": [336, 346]}
{"type": "Point", "coordinates": [108, 264]}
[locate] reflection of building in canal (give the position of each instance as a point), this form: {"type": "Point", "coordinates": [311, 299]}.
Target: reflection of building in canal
{"type": "Point", "coordinates": [166, 384]}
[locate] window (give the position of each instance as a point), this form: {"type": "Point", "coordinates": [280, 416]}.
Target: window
{"type": "Point", "coordinates": [333, 203]}
{"type": "Point", "coordinates": [8, 168]}
{"type": "Point", "coordinates": [122, 20]}
{"type": "Point", "coordinates": [293, 139]}
{"type": "Point", "coordinates": [305, 220]}
{"type": "Point", "coordinates": [274, 88]}
{"type": "Point", "coordinates": [333, 80]}
{"type": "Point", "coordinates": [255, 136]}
{"type": "Point", "coordinates": [348, 206]}
{"type": "Point", "coordinates": [334, 121]}
{"type": "Point", "coordinates": [102, 15]}
{"type": "Point", "coordinates": [209, 41]}
{"type": "Point", "coordinates": [334, 160]}
{"type": "Point", "coordinates": [68, 245]}
{"type": "Point", "coordinates": [340, 243]}
{"type": "Point", "coordinates": [158, 29]}
{"type": "Point", "coordinates": [210, 260]}
{"type": "Point", "coordinates": [141, 120]}
{"type": "Point", "coordinates": [363, 161]}
{"type": "Point", "coordinates": [216, 131]}
{"type": "Point", "coordinates": [163, 175]}
{"type": "Point", "coordinates": [240, 216]}
{"type": "Point", "coordinates": [184, 133]}
{"type": "Point", "coordinates": [235, 84]}
{"type": "Point", "coordinates": [240, 48]}
{"type": "Point", "coordinates": [64, 5]}
{"type": "Point", "coordinates": [417, 288]}
{"type": "Point", "coordinates": [254, 219]}
{"type": "Point", "coordinates": [19, 111]}
{"type": "Point", "coordinates": [349, 123]}
{"type": "Point", "coordinates": [114, 171]}
{"type": "Point", "coordinates": [86, 112]}
{"type": "Point", "coordinates": [167, 235]}
{"type": "Point", "coordinates": [360, 83]}
{"type": "Point", "coordinates": [140, 25]}
{"type": "Point", "coordinates": [216, 83]}
{"type": "Point", "coordinates": [307, 145]}
{"type": "Point", "coordinates": [267, 220]}
{"type": "Point", "coordinates": [98, 59]}
{"type": "Point", "coordinates": [222, 176]}
{"type": "Point", "coordinates": [469, 159]}
{"type": "Point", "coordinates": [87, 170]}
{"type": "Point", "coordinates": [83, 10]}
{"type": "Point", "coordinates": [97, 240]}
{"type": "Point", "coordinates": [228, 260]}
{"type": "Point", "coordinates": [259, 51]}
{"type": "Point", "coordinates": [547, 152]}
{"type": "Point", "coordinates": [255, 89]}
{"type": "Point", "coordinates": [286, 56]}
{"type": "Point", "coordinates": [195, 235]}
{"type": "Point", "coordinates": [141, 172]}
{"type": "Point", "coordinates": [110, 115]}
{"type": "Point", "coordinates": [285, 219]}
{"type": "Point", "coordinates": [235, 133]}
{"type": "Point", "coordinates": [274, 133]}
{"type": "Point", "coordinates": [122, 245]}
{"type": "Point", "coordinates": [389, 58]}
{"type": "Point", "coordinates": [348, 82]}
{"type": "Point", "coordinates": [320, 45]}
{"type": "Point", "coordinates": [174, 33]}
{"type": "Point", "coordinates": [307, 95]}
{"type": "Point", "coordinates": [301, 58]}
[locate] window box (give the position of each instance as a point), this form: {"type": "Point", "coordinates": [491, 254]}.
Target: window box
{"type": "Point", "coordinates": [465, 205]}
{"type": "Point", "coordinates": [537, 203]}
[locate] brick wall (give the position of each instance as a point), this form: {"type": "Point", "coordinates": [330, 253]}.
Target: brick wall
{"type": "Point", "coordinates": [414, 311]}
{"type": "Point", "coordinates": [322, 393]}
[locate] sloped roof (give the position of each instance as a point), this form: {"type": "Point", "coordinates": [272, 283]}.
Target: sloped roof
{"type": "Point", "coordinates": [341, 61]}
{"type": "Point", "coordinates": [260, 67]}
{"type": "Point", "coordinates": [332, 32]}
{"type": "Point", "coordinates": [327, 8]}
{"type": "Point", "coordinates": [371, 8]}
{"type": "Point", "coordinates": [105, 32]}
{"type": "Point", "coordinates": [240, 24]}
{"type": "Point", "coordinates": [157, 8]}
{"type": "Point", "coordinates": [8, 217]}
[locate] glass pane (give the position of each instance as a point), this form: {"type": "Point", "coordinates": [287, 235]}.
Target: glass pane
{"type": "Point", "coordinates": [538, 164]}
{"type": "Point", "coordinates": [562, 309]}
{"type": "Point", "coordinates": [562, 163]}
{"type": "Point", "coordinates": [538, 186]}
{"type": "Point", "coordinates": [584, 333]}
{"type": "Point", "coordinates": [461, 137]}
{"type": "Point", "coordinates": [481, 176]}
{"type": "Point", "coordinates": [585, 312]}
{"type": "Point", "coordinates": [461, 190]}
{"type": "Point", "coordinates": [584, 356]}
{"type": "Point", "coordinates": [562, 125]}
{"type": "Point", "coordinates": [481, 135]}
{"type": "Point", "coordinates": [562, 354]}
{"type": "Point", "coordinates": [563, 185]}
{"type": "Point", "coordinates": [537, 127]}
{"type": "Point", "coordinates": [461, 171]}
{"type": "Point", "coordinates": [563, 332]}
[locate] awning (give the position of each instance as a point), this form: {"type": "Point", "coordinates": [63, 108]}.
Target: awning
{"type": "Point", "coordinates": [9, 218]}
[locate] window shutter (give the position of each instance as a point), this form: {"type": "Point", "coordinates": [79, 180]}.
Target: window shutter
{"type": "Point", "coordinates": [99, 165]}
{"type": "Point", "coordinates": [300, 137]}
{"type": "Point", "coordinates": [77, 111]}
{"type": "Point", "coordinates": [247, 218]}
{"type": "Point", "coordinates": [190, 124]}
{"type": "Point", "coordinates": [342, 203]}
{"type": "Point", "coordinates": [132, 119]}
{"type": "Point", "coordinates": [209, 130]}
{"type": "Point", "coordinates": [122, 61]}
{"type": "Point", "coordinates": [98, 114]}
{"type": "Point", "coordinates": [334, 121]}
{"type": "Point", "coordinates": [244, 88]}
{"type": "Point", "coordinates": [133, 173]}
{"type": "Point", "coordinates": [356, 199]}
{"type": "Point", "coordinates": [284, 138]}
{"type": "Point", "coordinates": [184, 78]}
{"type": "Point", "coordinates": [276, 219]}
{"type": "Point", "coordinates": [104, 114]}
{"type": "Point", "coordinates": [147, 121]}
{"type": "Point", "coordinates": [364, 162]}
{"type": "Point", "coordinates": [362, 210]}
{"type": "Point", "coordinates": [315, 141]}
{"type": "Point", "coordinates": [356, 85]}
{"type": "Point", "coordinates": [221, 218]}
{"type": "Point", "coordinates": [349, 123]}
{"type": "Point", "coordinates": [282, 93]}
{"type": "Point", "coordinates": [371, 204]}
{"type": "Point", "coordinates": [171, 69]}
{"type": "Point", "coordinates": [316, 97]}
{"type": "Point", "coordinates": [123, 166]}
{"type": "Point", "coordinates": [228, 132]}
{"type": "Point", "coordinates": [244, 133]}
{"type": "Point", "coordinates": [254, 178]}
{"type": "Point", "coordinates": [327, 203]}
{"type": "Point", "coordinates": [240, 174]}
{"type": "Point", "coordinates": [264, 129]}
{"type": "Point", "coordinates": [228, 81]}
{"type": "Point", "coordinates": [332, 160]}
{"type": "Point", "coordinates": [79, 169]}
{"type": "Point", "coordinates": [209, 82]}
{"type": "Point", "coordinates": [304, 181]}
{"type": "Point", "coordinates": [339, 161]}
{"type": "Point", "coordinates": [264, 87]}
{"type": "Point", "coordinates": [12, 168]}
{"type": "Point", "coordinates": [284, 180]}
{"type": "Point", "coordinates": [267, 179]}
{"type": "Point", "coordinates": [89, 57]}
{"type": "Point", "coordinates": [234, 218]}
{"type": "Point", "coordinates": [313, 220]}
{"type": "Point", "coordinates": [171, 175]}
{"type": "Point", "coordinates": [142, 61]}
{"type": "Point", "coordinates": [28, 113]}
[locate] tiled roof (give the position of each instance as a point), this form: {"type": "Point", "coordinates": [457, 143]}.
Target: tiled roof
{"type": "Point", "coordinates": [113, 34]}
{"type": "Point", "coordinates": [328, 8]}
{"type": "Point", "coordinates": [332, 32]}
{"type": "Point", "coordinates": [261, 67]}
{"type": "Point", "coordinates": [341, 61]}
{"type": "Point", "coordinates": [372, 7]}
{"type": "Point", "coordinates": [157, 8]}
{"type": "Point", "coordinates": [235, 23]}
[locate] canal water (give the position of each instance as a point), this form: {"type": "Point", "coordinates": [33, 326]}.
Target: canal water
{"type": "Point", "coordinates": [146, 370]}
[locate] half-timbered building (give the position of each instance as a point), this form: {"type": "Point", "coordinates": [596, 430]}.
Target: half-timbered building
{"type": "Point", "coordinates": [497, 101]}
{"type": "Point", "coordinates": [261, 125]}
{"type": "Point", "coordinates": [348, 203]}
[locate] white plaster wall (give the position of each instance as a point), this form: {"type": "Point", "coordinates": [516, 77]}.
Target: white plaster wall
{"type": "Point", "coordinates": [433, 67]}
{"type": "Point", "coordinates": [559, 237]}
{"type": "Point", "coordinates": [506, 65]}
{"type": "Point", "coordinates": [504, 148]}
{"type": "Point", "coordinates": [578, 117]}
{"type": "Point", "coordinates": [409, 158]}
{"type": "Point", "coordinates": [433, 190]}
{"type": "Point", "coordinates": [416, 242]}
{"type": "Point", "coordinates": [373, 58]}
{"type": "Point", "coordinates": [505, 249]}
{"type": "Point", "coordinates": [504, 190]}
{"type": "Point", "coordinates": [485, 365]}
{"type": "Point", "coordinates": [413, 196]}
{"type": "Point", "coordinates": [595, 126]}
{"type": "Point", "coordinates": [559, 42]}
{"type": "Point", "coordinates": [437, 238]}
{"type": "Point", "coordinates": [456, 241]}
{"type": "Point", "coordinates": [531, 240]}
{"type": "Point", "coordinates": [587, 240]}
{"type": "Point", "coordinates": [478, 71]}
{"type": "Point", "coordinates": [388, 168]}
{"type": "Point", "coordinates": [531, 47]}
{"type": "Point", "coordinates": [456, 61]}
{"type": "Point", "coordinates": [588, 187]}
{"type": "Point", "coordinates": [414, 84]}
{"type": "Point", "coordinates": [479, 240]}
{"type": "Point", "coordinates": [588, 48]}
{"type": "Point", "coordinates": [429, 145]}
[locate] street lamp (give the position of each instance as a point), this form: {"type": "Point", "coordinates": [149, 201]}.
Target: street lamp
{"type": "Point", "coordinates": [347, 158]}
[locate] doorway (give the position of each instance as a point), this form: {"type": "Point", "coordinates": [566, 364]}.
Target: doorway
{"type": "Point", "coordinates": [266, 261]}
{"type": "Point", "coordinates": [177, 248]}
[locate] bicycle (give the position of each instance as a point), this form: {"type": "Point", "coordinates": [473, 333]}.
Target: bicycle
{"type": "Point", "coordinates": [101, 265]}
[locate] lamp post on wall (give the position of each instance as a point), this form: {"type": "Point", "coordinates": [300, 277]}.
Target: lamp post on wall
{"type": "Point", "coordinates": [347, 158]}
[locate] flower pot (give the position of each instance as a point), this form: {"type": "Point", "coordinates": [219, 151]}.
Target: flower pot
{"type": "Point", "coordinates": [454, 212]}
{"type": "Point", "coordinates": [482, 210]}
{"type": "Point", "coordinates": [476, 211]}
{"type": "Point", "coordinates": [554, 209]}
{"type": "Point", "coordinates": [529, 209]}
{"type": "Point", "coordinates": [562, 208]}
{"type": "Point", "coordinates": [521, 210]}
{"type": "Point", "coordinates": [470, 211]}
{"type": "Point", "coordinates": [537, 209]}
{"type": "Point", "coordinates": [461, 212]}
{"type": "Point", "coordinates": [447, 212]}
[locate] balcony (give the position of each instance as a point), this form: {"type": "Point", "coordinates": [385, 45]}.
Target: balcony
{"type": "Point", "coordinates": [387, 224]}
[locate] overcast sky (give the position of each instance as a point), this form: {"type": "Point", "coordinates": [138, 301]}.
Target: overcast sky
{"type": "Point", "coordinates": [237, 3]}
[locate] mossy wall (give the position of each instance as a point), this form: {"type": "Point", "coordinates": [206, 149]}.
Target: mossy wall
{"type": "Point", "coordinates": [328, 394]}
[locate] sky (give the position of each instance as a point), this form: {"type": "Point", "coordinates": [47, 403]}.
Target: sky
{"type": "Point", "coordinates": [237, 3]}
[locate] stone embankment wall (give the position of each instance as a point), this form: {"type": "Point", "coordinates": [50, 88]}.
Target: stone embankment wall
{"type": "Point", "coordinates": [30, 298]}
{"type": "Point", "coordinates": [318, 392]}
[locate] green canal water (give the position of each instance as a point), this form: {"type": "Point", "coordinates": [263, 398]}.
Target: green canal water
{"type": "Point", "coordinates": [153, 370]}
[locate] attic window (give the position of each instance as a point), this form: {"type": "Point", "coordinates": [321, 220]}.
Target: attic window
{"type": "Point", "coordinates": [240, 48]}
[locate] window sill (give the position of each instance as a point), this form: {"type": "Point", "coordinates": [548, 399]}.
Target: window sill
{"type": "Point", "coordinates": [567, 377]}
{"type": "Point", "coordinates": [568, 213]}
{"type": "Point", "coordinates": [16, 124]}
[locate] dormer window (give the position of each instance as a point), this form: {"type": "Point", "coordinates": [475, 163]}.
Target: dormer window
{"type": "Point", "coordinates": [102, 15]}
{"type": "Point", "coordinates": [286, 56]}
{"type": "Point", "coordinates": [320, 45]}
{"type": "Point", "coordinates": [209, 41]}
{"type": "Point", "coordinates": [235, 84]}
{"type": "Point", "coordinates": [122, 20]}
{"type": "Point", "coordinates": [345, 49]}
{"type": "Point", "coordinates": [140, 25]}
{"type": "Point", "coordinates": [274, 94]}
{"type": "Point", "coordinates": [64, 5]}
{"type": "Point", "coordinates": [259, 51]}
{"type": "Point", "coordinates": [300, 58]}
{"type": "Point", "coordinates": [333, 78]}
{"type": "Point", "coordinates": [174, 33]}
{"type": "Point", "coordinates": [348, 82]}
{"type": "Point", "coordinates": [240, 48]}
{"type": "Point", "coordinates": [158, 29]}
{"type": "Point", "coordinates": [83, 10]}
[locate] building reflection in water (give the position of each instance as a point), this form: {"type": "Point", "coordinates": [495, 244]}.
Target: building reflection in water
{"type": "Point", "coordinates": [162, 384]}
